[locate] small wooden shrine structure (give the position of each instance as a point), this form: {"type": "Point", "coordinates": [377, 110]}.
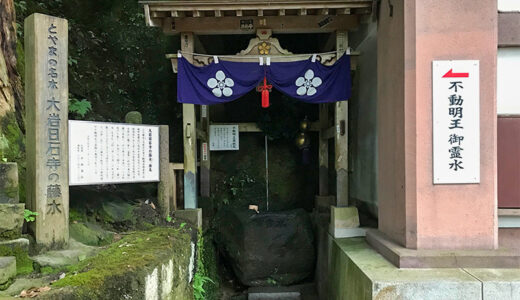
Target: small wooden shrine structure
{"type": "Point", "coordinates": [188, 19]}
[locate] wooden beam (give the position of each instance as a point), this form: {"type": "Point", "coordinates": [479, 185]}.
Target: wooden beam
{"type": "Point", "coordinates": [279, 24]}
{"type": "Point", "coordinates": [189, 127]}
{"type": "Point", "coordinates": [302, 12]}
{"type": "Point", "coordinates": [328, 133]}
{"type": "Point", "coordinates": [243, 127]}
{"type": "Point", "coordinates": [205, 159]}
{"type": "Point", "coordinates": [218, 13]}
{"type": "Point", "coordinates": [260, 12]}
{"type": "Point", "coordinates": [197, 14]}
{"type": "Point", "coordinates": [164, 188]}
{"type": "Point", "coordinates": [239, 13]}
{"type": "Point", "coordinates": [509, 29]}
{"type": "Point", "coordinates": [255, 5]}
{"type": "Point", "coordinates": [341, 136]}
{"type": "Point", "coordinates": [281, 12]}
{"type": "Point", "coordinates": [323, 151]}
{"type": "Point", "coordinates": [178, 14]}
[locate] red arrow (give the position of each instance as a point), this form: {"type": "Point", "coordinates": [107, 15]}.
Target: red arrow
{"type": "Point", "coordinates": [450, 74]}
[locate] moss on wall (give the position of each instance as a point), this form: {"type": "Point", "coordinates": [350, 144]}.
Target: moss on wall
{"type": "Point", "coordinates": [15, 150]}
{"type": "Point", "coordinates": [118, 271]}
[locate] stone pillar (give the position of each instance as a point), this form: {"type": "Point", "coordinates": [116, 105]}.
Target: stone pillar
{"type": "Point", "coordinates": [189, 128]}
{"type": "Point", "coordinates": [341, 136]}
{"type": "Point", "coordinates": [46, 96]}
{"type": "Point", "coordinates": [165, 185]}
{"type": "Point", "coordinates": [412, 210]}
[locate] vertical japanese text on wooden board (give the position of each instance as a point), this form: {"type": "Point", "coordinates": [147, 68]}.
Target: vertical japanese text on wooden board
{"type": "Point", "coordinates": [456, 132]}
{"type": "Point", "coordinates": [53, 110]}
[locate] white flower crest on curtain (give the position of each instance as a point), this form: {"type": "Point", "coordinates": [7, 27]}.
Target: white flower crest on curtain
{"type": "Point", "coordinates": [308, 84]}
{"type": "Point", "coordinates": [221, 85]}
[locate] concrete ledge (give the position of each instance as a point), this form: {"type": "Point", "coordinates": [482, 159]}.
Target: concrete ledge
{"type": "Point", "coordinates": [359, 272]}
{"type": "Point", "coordinates": [425, 258]}
{"type": "Point", "coordinates": [7, 270]}
{"type": "Point", "coordinates": [191, 215]}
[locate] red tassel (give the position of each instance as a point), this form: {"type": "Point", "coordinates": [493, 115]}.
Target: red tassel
{"type": "Point", "coordinates": [265, 98]}
{"type": "Point", "coordinates": [265, 89]}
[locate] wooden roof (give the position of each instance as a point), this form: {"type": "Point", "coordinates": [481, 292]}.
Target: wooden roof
{"type": "Point", "coordinates": [246, 16]}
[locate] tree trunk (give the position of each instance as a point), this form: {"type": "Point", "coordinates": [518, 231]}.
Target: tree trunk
{"type": "Point", "coordinates": [11, 91]}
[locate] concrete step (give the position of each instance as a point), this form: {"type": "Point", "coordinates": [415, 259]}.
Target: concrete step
{"type": "Point", "coordinates": [305, 291]}
{"type": "Point", "coordinates": [7, 270]}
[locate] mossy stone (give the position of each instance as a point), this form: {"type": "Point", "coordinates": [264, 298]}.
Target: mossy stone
{"type": "Point", "coordinates": [134, 117]}
{"type": "Point", "coordinates": [9, 183]}
{"type": "Point", "coordinates": [90, 234]}
{"type": "Point", "coordinates": [119, 271]}
{"type": "Point", "coordinates": [18, 249]}
{"type": "Point", "coordinates": [11, 220]}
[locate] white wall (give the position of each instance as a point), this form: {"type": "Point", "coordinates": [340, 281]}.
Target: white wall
{"type": "Point", "coordinates": [508, 80]}
{"type": "Point", "coordinates": [508, 5]}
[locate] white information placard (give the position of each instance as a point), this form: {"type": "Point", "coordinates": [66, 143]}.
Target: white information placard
{"type": "Point", "coordinates": [456, 122]}
{"type": "Point", "coordinates": [223, 137]}
{"type": "Point", "coordinates": [102, 153]}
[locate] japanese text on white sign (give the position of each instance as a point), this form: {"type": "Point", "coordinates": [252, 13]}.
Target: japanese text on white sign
{"type": "Point", "coordinates": [101, 153]}
{"type": "Point", "coordinates": [223, 137]}
{"type": "Point", "coordinates": [456, 122]}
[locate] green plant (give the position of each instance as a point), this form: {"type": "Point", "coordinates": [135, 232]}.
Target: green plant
{"type": "Point", "coordinates": [79, 107]}
{"type": "Point", "coordinates": [200, 278]}
{"type": "Point", "coordinates": [29, 216]}
{"type": "Point", "coordinates": [182, 225]}
{"type": "Point", "coordinates": [169, 219]}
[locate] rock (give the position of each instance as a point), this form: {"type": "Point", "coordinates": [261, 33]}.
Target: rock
{"type": "Point", "coordinates": [21, 284]}
{"type": "Point", "coordinates": [61, 258]}
{"type": "Point", "coordinates": [119, 212]}
{"type": "Point", "coordinates": [134, 117]}
{"type": "Point", "coordinates": [7, 271]}
{"type": "Point", "coordinates": [9, 183]}
{"type": "Point", "coordinates": [269, 248]}
{"type": "Point", "coordinates": [11, 220]}
{"type": "Point", "coordinates": [90, 234]}
{"type": "Point", "coordinates": [14, 245]}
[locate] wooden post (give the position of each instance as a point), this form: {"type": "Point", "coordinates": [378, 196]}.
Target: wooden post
{"type": "Point", "coordinates": [324, 151]}
{"type": "Point", "coordinates": [341, 137]}
{"type": "Point", "coordinates": [46, 96]}
{"type": "Point", "coordinates": [205, 161]}
{"type": "Point", "coordinates": [189, 128]}
{"type": "Point", "coordinates": [165, 185]}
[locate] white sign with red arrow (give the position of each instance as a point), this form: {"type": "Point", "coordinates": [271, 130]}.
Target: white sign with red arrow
{"type": "Point", "coordinates": [456, 121]}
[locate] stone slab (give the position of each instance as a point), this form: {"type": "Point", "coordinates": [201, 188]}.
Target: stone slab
{"type": "Point", "coordinates": [75, 252]}
{"type": "Point", "coordinates": [7, 268]}
{"type": "Point", "coordinates": [426, 258]}
{"type": "Point", "coordinates": [348, 232]}
{"type": "Point", "coordinates": [11, 220]}
{"type": "Point", "coordinates": [191, 215]}
{"type": "Point", "coordinates": [21, 243]}
{"type": "Point", "coordinates": [501, 284]}
{"type": "Point", "coordinates": [359, 272]}
{"type": "Point", "coordinates": [9, 183]}
{"type": "Point", "coordinates": [26, 283]}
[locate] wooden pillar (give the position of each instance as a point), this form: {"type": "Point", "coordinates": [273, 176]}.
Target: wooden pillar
{"type": "Point", "coordinates": [341, 137]}
{"type": "Point", "coordinates": [324, 151]}
{"type": "Point", "coordinates": [205, 160]}
{"type": "Point", "coordinates": [165, 185]}
{"type": "Point", "coordinates": [189, 136]}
